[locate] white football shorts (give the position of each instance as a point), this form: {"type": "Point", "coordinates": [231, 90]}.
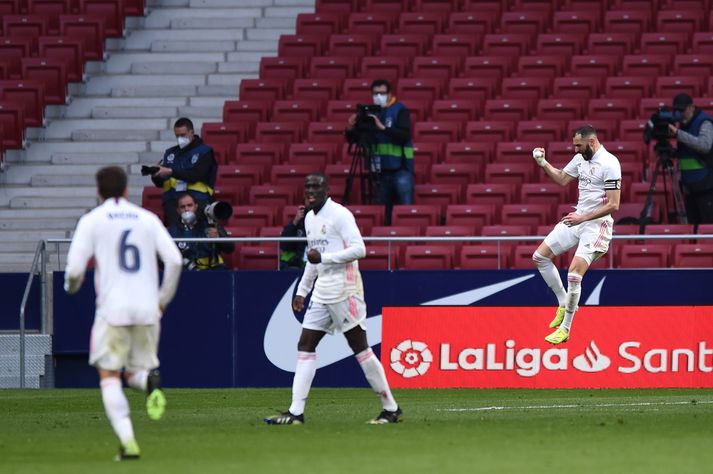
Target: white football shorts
{"type": "Point", "coordinates": [341, 316]}
{"type": "Point", "coordinates": [116, 347]}
{"type": "Point", "coordinates": [591, 238]}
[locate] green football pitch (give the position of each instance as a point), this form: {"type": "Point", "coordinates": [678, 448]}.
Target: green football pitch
{"type": "Point", "coordinates": [445, 431]}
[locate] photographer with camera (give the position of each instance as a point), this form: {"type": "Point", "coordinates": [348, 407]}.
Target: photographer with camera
{"type": "Point", "coordinates": [695, 157]}
{"type": "Point", "coordinates": [385, 134]}
{"type": "Point", "coordinates": [187, 167]}
{"type": "Point", "coordinates": [199, 222]}
{"type": "Point", "coordinates": [292, 254]}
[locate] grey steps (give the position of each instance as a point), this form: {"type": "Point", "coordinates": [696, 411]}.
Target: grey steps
{"type": "Point", "coordinates": [154, 91]}
{"type": "Point", "coordinates": [143, 39]}
{"type": "Point", "coordinates": [115, 158]}
{"type": "Point", "coordinates": [133, 112]}
{"type": "Point", "coordinates": [24, 174]}
{"type": "Point", "coordinates": [113, 135]}
{"type": "Point", "coordinates": [40, 214]}
{"type": "Point", "coordinates": [121, 63]}
{"type": "Point", "coordinates": [162, 18]}
{"type": "Point", "coordinates": [193, 46]}
{"type": "Point", "coordinates": [103, 85]}
{"type": "Point", "coordinates": [217, 22]}
{"type": "Point", "coordinates": [174, 68]}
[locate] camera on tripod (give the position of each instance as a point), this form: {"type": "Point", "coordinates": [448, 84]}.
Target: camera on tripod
{"type": "Point", "coordinates": [364, 121]}
{"type": "Point", "coordinates": [657, 126]}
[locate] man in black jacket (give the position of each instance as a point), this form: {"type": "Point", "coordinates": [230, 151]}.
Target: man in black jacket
{"type": "Point", "coordinates": [187, 167]}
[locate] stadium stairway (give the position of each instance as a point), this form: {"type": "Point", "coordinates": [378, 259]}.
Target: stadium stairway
{"type": "Point", "coordinates": [184, 58]}
{"type": "Point", "coordinates": [38, 360]}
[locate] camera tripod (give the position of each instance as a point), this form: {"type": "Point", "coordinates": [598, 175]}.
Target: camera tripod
{"type": "Point", "coordinates": [361, 166]}
{"type": "Point", "coordinates": [664, 154]}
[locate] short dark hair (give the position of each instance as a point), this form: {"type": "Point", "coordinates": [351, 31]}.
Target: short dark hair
{"type": "Point", "coordinates": [111, 182]}
{"type": "Point", "coordinates": [183, 122]}
{"type": "Point", "coordinates": [381, 82]}
{"type": "Point", "coordinates": [318, 174]}
{"type": "Point", "coordinates": [184, 194]}
{"type": "Point", "coordinates": [585, 130]}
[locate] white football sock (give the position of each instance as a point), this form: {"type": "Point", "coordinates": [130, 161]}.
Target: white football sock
{"type": "Point", "coordinates": [117, 408]}
{"type": "Point", "coordinates": [304, 374]}
{"type": "Point", "coordinates": [139, 380]}
{"type": "Point", "coordinates": [376, 377]}
{"type": "Point", "coordinates": [549, 273]}
{"type": "Point", "coordinates": [574, 289]}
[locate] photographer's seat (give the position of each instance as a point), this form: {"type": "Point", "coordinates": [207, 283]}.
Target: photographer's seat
{"type": "Point", "coordinates": [475, 216]}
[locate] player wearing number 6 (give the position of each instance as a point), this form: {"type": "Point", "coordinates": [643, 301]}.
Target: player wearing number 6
{"type": "Point", "coordinates": [589, 227]}
{"type": "Point", "coordinates": [124, 240]}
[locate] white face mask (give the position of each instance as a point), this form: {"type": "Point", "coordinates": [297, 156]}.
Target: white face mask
{"type": "Point", "coordinates": [183, 141]}
{"type": "Point", "coordinates": [380, 99]}
{"type": "Point", "coordinates": [188, 217]}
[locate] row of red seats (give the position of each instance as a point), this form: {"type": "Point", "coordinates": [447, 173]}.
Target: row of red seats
{"type": "Point", "coordinates": [502, 44]}
{"type": "Point", "coordinates": [53, 8]}
{"type": "Point", "coordinates": [483, 22]}
{"type": "Point", "coordinates": [448, 257]}
{"type": "Point", "coordinates": [595, 8]}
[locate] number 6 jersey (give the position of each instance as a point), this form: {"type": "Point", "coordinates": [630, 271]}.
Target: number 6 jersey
{"type": "Point", "coordinates": [124, 240]}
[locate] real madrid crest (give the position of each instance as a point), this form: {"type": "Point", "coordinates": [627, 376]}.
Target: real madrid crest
{"type": "Point", "coordinates": [324, 228]}
{"type": "Point", "coordinates": [194, 159]}
{"type": "Point", "coordinates": [169, 158]}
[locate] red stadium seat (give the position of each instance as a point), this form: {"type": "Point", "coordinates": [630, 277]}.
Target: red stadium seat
{"type": "Point", "coordinates": [438, 67]}
{"type": "Point", "coordinates": [224, 137]}
{"type": "Point", "coordinates": [543, 6]}
{"type": "Point", "coordinates": [627, 151]}
{"type": "Point", "coordinates": [300, 45]}
{"type": "Point", "coordinates": [317, 155]}
{"type": "Point", "coordinates": [627, 21]}
{"type": "Point", "coordinates": [280, 68]}
{"type": "Point", "coordinates": [152, 199]}
{"type": "Point", "coordinates": [672, 85]}
{"type": "Point", "coordinates": [458, 45]}
{"type": "Point", "coordinates": [332, 67]}
{"type": "Point", "coordinates": [489, 131]}
{"type": "Point", "coordinates": [429, 257]}
{"type": "Point", "coordinates": [273, 195]}
{"type": "Point", "coordinates": [415, 215]}
{"type": "Point", "coordinates": [702, 42]}
{"type": "Point", "coordinates": [253, 216]}
{"type": "Point", "coordinates": [340, 110]}
{"type": "Point", "coordinates": [240, 177]}
{"type": "Point", "coordinates": [454, 110]}
{"type": "Point", "coordinates": [337, 6]}
{"type": "Point", "coordinates": [397, 248]}
{"type": "Point", "coordinates": [50, 9]}
{"type": "Point", "coordinates": [25, 26]}
{"type": "Point", "coordinates": [472, 23]}
{"type": "Point", "coordinates": [611, 43]}
{"type": "Point", "coordinates": [561, 152]}
{"type": "Point", "coordinates": [577, 88]}
{"type": "Point", "coordinates": [550, 194]}
{"type": "Point", "coordinates": [368, 216]}
{"type": "Point", "coordinates": [371, 23]}
{"type": "Point", "coordinates": [564, 44]}
{"type": "Point", "coordinates": [385, 5]}
{"type": "Point", "coordinates": [296, 110]}
{"type": "Point", "coordinates": [416, 88]}
{"type": "Point", "coordinates": [644, 256]}
{"type": "Point", "coordinates": [68, 51]}
{"type": "Point", "coordinates": [573, 21]}
{"type": "Point", "coordinates": [606, 129]}
{"type": "Point", "coordinates": [352, 45]}
{"type": "Point", "coordinates": [514, 152]}
{"type": "Point", "coordinates": [428, 153]}
{"type": "Point", "coordinates": [358, 90]}
{"type": "Point", "coordinates": [87, 28]}
{"type": "Point", "coordinates": [489, 6]}
{"type": "Point", "coordinates": [12, 50]}
{"type": "Point", "coordinates": [278, 132]}
{"type": "Point", "coordinates": [679, 20]}
{"type": "Point", "coordinates": [693, 65]}
{"type": "Point", "coordinates": [441, 132]}
{"type": "Point", "coordinates": [550, 66]}
{"type": "Point", "coordinates": [512, 45]}
{"type": "Point", "coordinates": [526, 214]}
{"type": "Point", "coordinates": [316, 89]}
{"type": "Point", "coordinates": [323, 24]}
{"type": "Point", "coordinates": [10, 7]}
{"type": "Point", "coordinates": [482, 257]}
{"type": "Point", "coordinates": [259, 258]}
{"type": "Point", "coordinates": [474, 215]}
{"type": "Point", "coordinates": [390, 68]}
{"type": "Point", "coordinates": [378, 257]}
{"type": "Point", "coordinates": [611, 108]}
{"type": "Point", "coordinates": [500, 231]}
{"type": "Point", "coordinates": [476, 90]}
{"type": "Point", "coordinates": [441, 194]}
{"type": "Point", "coordinates": [289, 174]}
{"type": "Point", "coordinates": [474, 153]}
{"type": "Point", "coordinates": [52, 74]}
{"type": "Point", "coordinates": [263, 154]}
{"type": "Point", "coordinates": [693, 255]}
{"type": "Point", "coordinates": [631, 130]}
{"type": "Point", "coordinates": [110, 10]}
{"type": "Point", "coordinates": [664, 43]}
{"type": "Point", "coordinates": [631, 172]}
{"type": "Point", "coordinates": [647, 65]}
{"type": "Point", "coordinates": [540, 130]}
{"type": "Point", "coordinates": [262, 89]}
{"type": "Point", "coordinates": [531, 88]}
{"type": "Point", "coordinates": [669, 229]}
{"type": "Point", "coordinates": [522, 256]}
{"type": "Point", "coordinates": [595, 65]}
{"type": "Point", "coordinates": [248, 111]}
{"type": "Point", "coordinates": [495, 66]}
{"type": "Point", "coordinates": [559, 110]}
{"type": "Point", "coordinates": [429, 23]}
{"type": "Point", "coordinates": [450, 231]}
{"type": "Point", "coordinates": [31, 95]}
{"type": "Point", "coordinates": [628, 87]}
{"type": "Point", "coordinates": [454, 173]}
{"type": "Point", "coordinates": [326, 132]}
{"type": "Point", "coordinates": [408, 45]}
{"type": "Point", "coordinates": [507, 109]}
{"type": "Point", "coordinates": [528, 22]}
{"type": "Point", "coordinates": [508, 173]}
{"type": "Point", "coordinates": [496, 194]}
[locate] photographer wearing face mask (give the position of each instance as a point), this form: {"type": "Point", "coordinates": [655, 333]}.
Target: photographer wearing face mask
{"type": "Point", "coordinates": [187, 167]}
{"type": "Point", "coordinates": [695, 158]}
{"type": "Point", "coordinates": [193, 224]}
{"type": "Point", "coordinates": [390, 144]}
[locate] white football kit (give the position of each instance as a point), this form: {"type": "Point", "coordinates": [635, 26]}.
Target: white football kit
{"type": "Point", "coordinates": [597, 176]}
{"type": "Point", "coordinates": [124, 240]}
{"type": "Point", "coordinates": [337, 301]}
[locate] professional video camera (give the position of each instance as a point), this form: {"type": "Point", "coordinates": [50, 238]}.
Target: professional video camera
{"type": "Point", "coordinates": [149, 170]}
{"type": "Point", "coordinates": [657, 126]}
{"type": "Point", "coordinates": [217, 211]}
{"type": "Point", "coordinates": [364, 122]}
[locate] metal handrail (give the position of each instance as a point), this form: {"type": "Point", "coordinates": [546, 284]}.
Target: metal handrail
{"type": "Point", "coordinates": [39, 256]}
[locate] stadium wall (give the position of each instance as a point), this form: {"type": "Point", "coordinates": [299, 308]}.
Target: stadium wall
{"type": "Point", "coordinates": [237, 329]}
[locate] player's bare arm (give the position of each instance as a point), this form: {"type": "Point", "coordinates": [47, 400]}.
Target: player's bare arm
{"type": "Point", "coordinates": [557, 175]}
{"type": "Point", "coordinates": [613, 197]}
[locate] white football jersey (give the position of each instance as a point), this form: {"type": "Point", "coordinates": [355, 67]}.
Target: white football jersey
{"type": "Point", "coordinates": [333, 231]}
{"type": "Point", "coordinates": [600, 174]}
{"type": "Point", "coordinates": [124, 240]}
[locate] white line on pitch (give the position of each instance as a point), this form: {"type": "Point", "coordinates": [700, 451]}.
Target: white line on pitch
{"type": "Point", "coordinates": [598, 405]}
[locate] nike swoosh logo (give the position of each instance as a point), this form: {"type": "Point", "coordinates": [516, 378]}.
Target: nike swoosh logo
{"type": "Point", "coordinates": [282, 331]}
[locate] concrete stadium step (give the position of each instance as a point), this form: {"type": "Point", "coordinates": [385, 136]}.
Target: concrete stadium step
{"type": "Point", "coordinates": [43, 151]}
{"type": "Point", "coordinates": [83, 202]}
{"type": "Point", "coordinates": [213, 114]}
{"type": "Point", "coordinates": [23, 174]}
{"type": "Point", "coordinates": [193, 46]}
{"type": "Point", "coordinates": [111, 135]}
{"type": "Point", "coordinates": [120, 63]}
{"type": "Point", "coordinates": [229, 3]}
{"type": "Point", "coordinates": [103, 85]}
{"type": "Point", "coordinates": [133, 112]}
{"type": "Point", "coordinates": [281, 23]}
{"type": "Point", "coordinates": [10, 247]}
{"type": "Point", "coordinates": [96, 159]}
{"type": "Point", "coordinates": [227, 79]}
{"type": "Point", "coordinates": [249, 56]}
{"type": "Point", "coordinates": [217, 102]}
{"type": "Point", "coordinates": [154, 91]}
{"type": "Point", "coordinates": [272, 34]}
{"type": "Point", "coordinates": [249, 69]}
{"type": "Point", "coordinates": [62, 180]}
{"type": "Point", "coordinates": [31, 235]}
{"type": "Point", "coordinates": [217, 22]}
{"type": "Point", "coordinates": [174, 68]}
{"type": "Point", "coordinates": [142, 39]}
{"type": "Point", "coordinates": [216, 91]}
{"type": "Point", "coordinates": [39, 214]}
{"type": "Point", "coordinates": [33, 223]}
{"type": "Point", "coordinates": [162, 17]}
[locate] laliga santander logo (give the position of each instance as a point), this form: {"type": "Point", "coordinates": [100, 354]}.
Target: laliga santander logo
{"type": "Point", "coordinates": [592, 360]}
{"type": "Point", "coordinates": [411, 358]}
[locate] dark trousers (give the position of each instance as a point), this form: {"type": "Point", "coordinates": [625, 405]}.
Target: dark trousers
{"type": "Point", "coordinates": [395, 187]}
{"type": "Point", "coordinates": [699, 207]}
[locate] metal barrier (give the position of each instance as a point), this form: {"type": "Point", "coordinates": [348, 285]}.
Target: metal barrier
{"type": "Point", "coordinates": [41, 259]}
